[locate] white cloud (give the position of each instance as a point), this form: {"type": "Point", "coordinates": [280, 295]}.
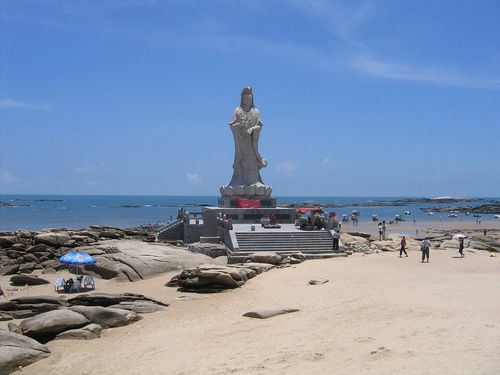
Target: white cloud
{"type": "Point", "coordinates": [286, 167]}
{"type": "Point", "coordinates": [16, 104]}
{"type": "Point", "coordinates": [193, 178]}
{"type": "Point", "coordinates": [7, 177]}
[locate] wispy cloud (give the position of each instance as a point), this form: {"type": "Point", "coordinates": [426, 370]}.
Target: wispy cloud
{"type": "Point", "coordinates": [193, 178]}
{"type": "Point", "coordinates": [7, 177]}
{"type": "Point", "coordinates": [286, 167]}
{"type": "Point", "coordinates": [84, 169]}
{"type": "Point", "coordinates": [435, 75]}
{"type": "Point", "coordinates": [16, 104]}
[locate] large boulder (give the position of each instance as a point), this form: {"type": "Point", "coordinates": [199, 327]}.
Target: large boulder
{"type": "Point", "coordinates": [139, 307]}
{"type": "Point", "coordinates": [106, 316]}
{"type": "Point", "coordinates": [23, 279]}
{"type": "Point", "coordinates": [89, 332]}
{"type": "Point", "coordinates": [265, 257]}
{"type": "Point", "coordinates": [17, 350]}
{"type": "Point", "coordinates": [51, 323]}
{"type": "Point", "coordinates": [54, 239]}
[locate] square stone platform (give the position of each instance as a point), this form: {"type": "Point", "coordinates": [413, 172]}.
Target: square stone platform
{"type": "Point", "coordinates": [244, 216]}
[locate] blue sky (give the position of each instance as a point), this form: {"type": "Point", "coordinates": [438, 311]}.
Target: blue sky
{"type": "Point", "coordinates": [372, 98]}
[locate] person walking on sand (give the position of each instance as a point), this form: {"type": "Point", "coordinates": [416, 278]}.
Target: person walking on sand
{"type": "Point", "coordinates": [402, 249]}
{"type": "Point", "coordinates": [461, 246]}
{"type": "Point", "coordinates": [384, 229]}
{"type": "Point", "coordinates": [380, 231]}
{"type": "Point", "coordinates": [424, 247]}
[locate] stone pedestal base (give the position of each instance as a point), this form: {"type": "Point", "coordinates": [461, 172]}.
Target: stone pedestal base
{"type": "Point", "coordinates": [230, 202]}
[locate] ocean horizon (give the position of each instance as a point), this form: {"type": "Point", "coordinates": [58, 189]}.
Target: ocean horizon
{"type": "Point", "coordinates": [40, 211]}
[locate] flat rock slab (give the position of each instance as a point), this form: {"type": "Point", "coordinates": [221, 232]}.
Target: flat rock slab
{"type": "Point", "coordinates": [318, 281]}
{"type": "Point", "coordinates": [17, 350]}
{"type": "Point", "coordinates": [264, 314]}
{"type": "Point", "coordinates": [107, 316]}
{"type": "Point", "coordinates": [139, 307]}
{"type": "Point", "coordinates": [105, 299]}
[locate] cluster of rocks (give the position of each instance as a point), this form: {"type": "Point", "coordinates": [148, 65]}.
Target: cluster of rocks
{"type": "Point", "coordinates": [23, 251]}
{"type": "Point", "coordinates": [440, 239]}
{"type": "Point", "coordinates": [212, 278]}
{"type": "Point", "coordinates": [82, 318]}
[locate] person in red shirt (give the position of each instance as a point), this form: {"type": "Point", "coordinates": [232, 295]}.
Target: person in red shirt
{"type": "Point", "coordinates": [402, 249]}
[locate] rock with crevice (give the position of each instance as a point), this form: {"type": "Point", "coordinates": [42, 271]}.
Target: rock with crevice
{"type": "Point", "coordinates": [18, 351]}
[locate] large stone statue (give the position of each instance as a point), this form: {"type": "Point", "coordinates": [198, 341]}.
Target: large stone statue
{"type": "Point", "coordinates": [246, 126]}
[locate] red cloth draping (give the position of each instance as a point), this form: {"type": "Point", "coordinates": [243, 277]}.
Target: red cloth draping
{"type": "Point", "coordinates": [247, 203]}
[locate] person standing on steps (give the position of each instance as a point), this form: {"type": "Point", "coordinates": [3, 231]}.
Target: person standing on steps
{"type": "Point", "coordinates": [402, 249]}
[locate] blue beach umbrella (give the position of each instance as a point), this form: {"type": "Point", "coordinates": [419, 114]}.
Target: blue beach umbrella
{"type": "Point", "coordinates": [77, 258]}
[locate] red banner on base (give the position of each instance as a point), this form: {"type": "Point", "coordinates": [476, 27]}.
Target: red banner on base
{"type": "Point", "coordinates": [247, 203]}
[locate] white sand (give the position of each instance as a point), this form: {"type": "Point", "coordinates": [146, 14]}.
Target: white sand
{"type": "Point", "coordinates": [379, 314]}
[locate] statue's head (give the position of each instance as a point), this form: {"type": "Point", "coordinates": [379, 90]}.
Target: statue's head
{"type": "Point", "coordinates": [246, 97]}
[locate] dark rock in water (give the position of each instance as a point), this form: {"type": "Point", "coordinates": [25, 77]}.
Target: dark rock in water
{"type": "Point", "coordinates": [22, 279]}
{"type": "Point", "coordinates": [10, 269]}
{"type": "Point", "coordinates": [106, 316]}
{"type": "Point", "coordinates": [264, 314]}
{"type": "Point", "coordinates": [51, 323]}
{"type": "Point", "coordinates": [18, 350]}
{"type": "Point", "coordinates": [89, 332]}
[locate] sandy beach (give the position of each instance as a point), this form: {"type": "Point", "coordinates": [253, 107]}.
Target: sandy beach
{"type": "Point", "coordinates": [378, 314]}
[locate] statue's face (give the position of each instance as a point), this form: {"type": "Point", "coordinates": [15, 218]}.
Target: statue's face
{"type": "Point", "coordinates": [247, 99]}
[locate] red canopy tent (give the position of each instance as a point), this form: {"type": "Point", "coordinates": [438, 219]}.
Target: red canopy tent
{"type": "Point", "coordinates": [314, 210]}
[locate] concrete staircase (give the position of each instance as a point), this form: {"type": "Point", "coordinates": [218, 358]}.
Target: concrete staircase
{"type": "Point", "coordinates": [313, 244]}
{"type": "Point", "coordinates": [172, 231]}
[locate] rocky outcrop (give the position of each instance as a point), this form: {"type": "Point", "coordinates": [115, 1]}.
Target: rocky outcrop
{"type": "Point", "coordinates": [135, 260]}
{"type": "Point", "coordinates": [25, 307]}
{"type": "Point", "coordinates": [18, 351]}
{"type": "Point", "coordinates": [265, 257]}
{"type": "Point", "coordinates": [213, 278]}
{"type": "Point", "coordinates": [265, 314]}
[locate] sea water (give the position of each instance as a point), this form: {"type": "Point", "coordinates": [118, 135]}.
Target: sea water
{"type": "Point", "coordinates": [78, 211]}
